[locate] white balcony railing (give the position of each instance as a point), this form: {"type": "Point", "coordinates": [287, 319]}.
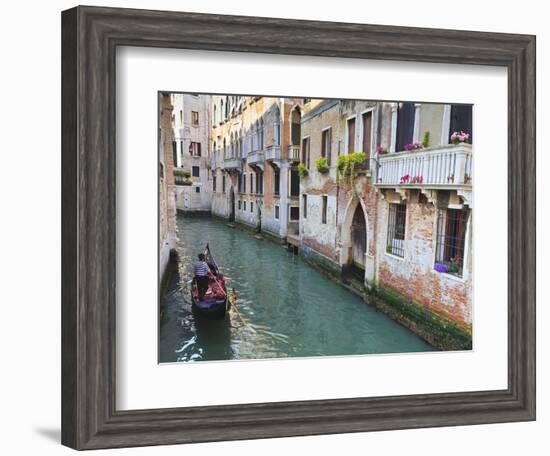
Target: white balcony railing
{"type": "Point", "coordinates": [294, 153]}
{"type": "Point", "coordinates": [256, 158]}
{"type": "Point", "coordinates": [232, 163]}
{"type": "Point", "coordinates": [273, 153]}
{"type": "Point", "coordinates": [445, 166]}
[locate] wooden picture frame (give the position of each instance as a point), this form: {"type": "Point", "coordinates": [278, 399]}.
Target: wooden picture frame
{"type": "Point", "coordinates": [90, 36]}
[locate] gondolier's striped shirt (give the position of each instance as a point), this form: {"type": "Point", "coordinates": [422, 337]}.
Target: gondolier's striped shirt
{"type": "Point", "coordinates": [200, 269]}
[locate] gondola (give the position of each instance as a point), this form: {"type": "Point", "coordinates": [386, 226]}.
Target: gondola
{"type": "Point", "coordinates": [214, 303]}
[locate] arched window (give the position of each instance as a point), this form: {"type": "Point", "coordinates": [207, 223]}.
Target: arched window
{"type": "Point", "coordinates": [261, 134]}
{"type": "Point", "coordinates": [221, 110]}
{"type": "Point", "coordinates": [277, 126]}
{"type": "Point", "coordinates": [214, 116]}
{"type": "Point", "coordinates": [241, 148]}
{"type": "Point", "coordinates": [224, 148]}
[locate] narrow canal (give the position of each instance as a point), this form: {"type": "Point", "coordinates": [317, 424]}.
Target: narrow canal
{"type": "Point", "coordinates": [288, 308]}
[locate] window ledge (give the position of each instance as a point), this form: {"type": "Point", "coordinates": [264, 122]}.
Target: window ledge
{"type": "Point", "coordinates": [450, 276]}
{"type": "Point", "coordinates": [391, 255]}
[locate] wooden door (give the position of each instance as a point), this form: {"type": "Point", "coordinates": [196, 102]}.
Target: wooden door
{"type": "Point", "coordinates": [359, 237]}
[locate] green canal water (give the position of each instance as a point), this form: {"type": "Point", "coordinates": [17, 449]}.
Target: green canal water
{"type": "Point", "coordinates": [289, 309]}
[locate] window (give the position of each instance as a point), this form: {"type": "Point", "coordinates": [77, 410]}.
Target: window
{"type": "Point", "coordinates": [277, 183]}
{"type": "Point", "coordinates": [351, 135]}
{"type": "Point", "coordinates": [174, 153]}
{"type": "Point", "coordinates": [367, 135]}
{"type": "Point", "coordinates": [195, 117]}
{"type": "Point", "coordinates": [461, 120]}
{"type": "Point", "coordinates": [239, 205]}
{"type": "Point", "coordinates": [451, 237]}
{"type": "Point", "coordinates": [214, 183]}
{"type": "Point", "coordinates": [197, 189]}
{"type": "Point", "coordinates": [195, 149]}
{"type": "Point", "coordinates": [251, 206]}
{"type": "Point", "coordinates": [260, 182]}
{"type": "Point", "coordinates": [244, 205]}
{"type": "Point", "coordinates": [251, 183]}
{"type": "Point", "coordinates": [277, 132]}
{"type": "Point", "coordinates": [294, 183]}
{"type": "Point", "coordinates": [294, 213]}
{"type": "Point", "coordinates": [405, 125]}
{"type": "Point", "coordinates": [181, 116]}
{"type": "Point", "coordinates": [396, 229]}
{"type": "Point", "coordinates": [214, 117]}
{"type": "Point", "coordinates": [305, 152]}
{"type": "Point", "coordinates": [304, 205]}
{"type": "Point", "coordinates": [324, 209]}
{"type": "Point", "coordinates": [196, 171]}
{"type": "Point", "coordinates": [223, 183]}
{"type": "Point", "coordinates": [325, 144]}
{"type": "Point", "coordinates": [277, 212]}
{"type": "Point", "coordinates": [243, 190]}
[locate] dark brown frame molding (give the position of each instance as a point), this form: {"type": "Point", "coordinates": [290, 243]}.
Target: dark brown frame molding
{"type": "Point", "coordinates": [90, 36]}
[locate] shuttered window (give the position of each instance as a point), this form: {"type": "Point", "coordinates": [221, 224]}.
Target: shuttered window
{"type": "Point", "coordinates": [351, 135]}
{"type": "Point", "coordinates": [326, 144]}
{"type": "Point", "coordinates": [461, 120]}
{"type": "Point", "coordinates": [294, 183]}
{"type": "Point", "coordinates": [367, 135]}
{"type": "Point", "coordinates": [405, 126]}
{"type": "Point", "coordinates": [277, 183]}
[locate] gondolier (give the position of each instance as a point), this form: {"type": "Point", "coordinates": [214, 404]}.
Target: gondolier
{"type": "Point", "coordinates": [200, 272]}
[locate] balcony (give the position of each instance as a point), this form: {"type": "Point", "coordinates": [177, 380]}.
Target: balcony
{"type": "Point", "coordinates": [212, 162]}
{"type": "Point", "coordinates": [232, 164]}
{"type": "Point", "coordinates": [256, 158]}
{"type": "Point", "coordinates": [444, 167]}
{"type": "Point", "coordinates": [294, 153]}
{"type": "Point", "coordinates": [273, 153]}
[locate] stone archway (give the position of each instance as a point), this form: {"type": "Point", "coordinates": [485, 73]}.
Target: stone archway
{"type": "Point", "coordinates": [354, 239]}
{"type": "Point", "coordinates": [358, 238]}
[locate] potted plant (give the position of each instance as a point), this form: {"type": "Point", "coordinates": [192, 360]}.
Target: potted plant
{"type": "Point", "coordinates": [426, 139]}
{"type": "Point", "coordinates": [459, 137]}
{"type": "Point", "coordinates": [381, 150]}
{"type": "Point", "coordinates": [321, 165]}
{"type": "Point", "coordinates": [439, 266]}
{"type": "Point", "coordinates": [413, 146]}
{"type": "Point", "coordinates": [302, 170]}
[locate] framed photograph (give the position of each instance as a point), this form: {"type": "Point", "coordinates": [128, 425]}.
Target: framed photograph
{"type": "Point", "coordinates": [280, 228]}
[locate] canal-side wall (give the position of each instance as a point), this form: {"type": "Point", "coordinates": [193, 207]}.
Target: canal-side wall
{"type": "Point", "coordinates": [413, 277]}
{"type": "Point", "coordinates": [167, 203]}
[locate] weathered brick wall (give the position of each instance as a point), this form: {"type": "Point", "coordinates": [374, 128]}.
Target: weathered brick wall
{"type": "Point", "coordinates": [413, 276]}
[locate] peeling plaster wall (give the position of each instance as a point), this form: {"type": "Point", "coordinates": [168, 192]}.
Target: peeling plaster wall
{"type": "Point", "coordinates": [413, 276]}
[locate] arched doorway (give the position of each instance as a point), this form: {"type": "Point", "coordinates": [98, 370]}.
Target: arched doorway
{"type": "Point", "coordinates": [231, 205]}
{"type": "Point", "coordinates": [358, 238]}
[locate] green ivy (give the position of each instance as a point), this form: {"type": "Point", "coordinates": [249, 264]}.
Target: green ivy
{"type": "Point", "coordinates": [346, 164]}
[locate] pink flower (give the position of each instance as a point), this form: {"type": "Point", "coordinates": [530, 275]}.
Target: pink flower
{"type": "Point", "coordinates": [458, 137]}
